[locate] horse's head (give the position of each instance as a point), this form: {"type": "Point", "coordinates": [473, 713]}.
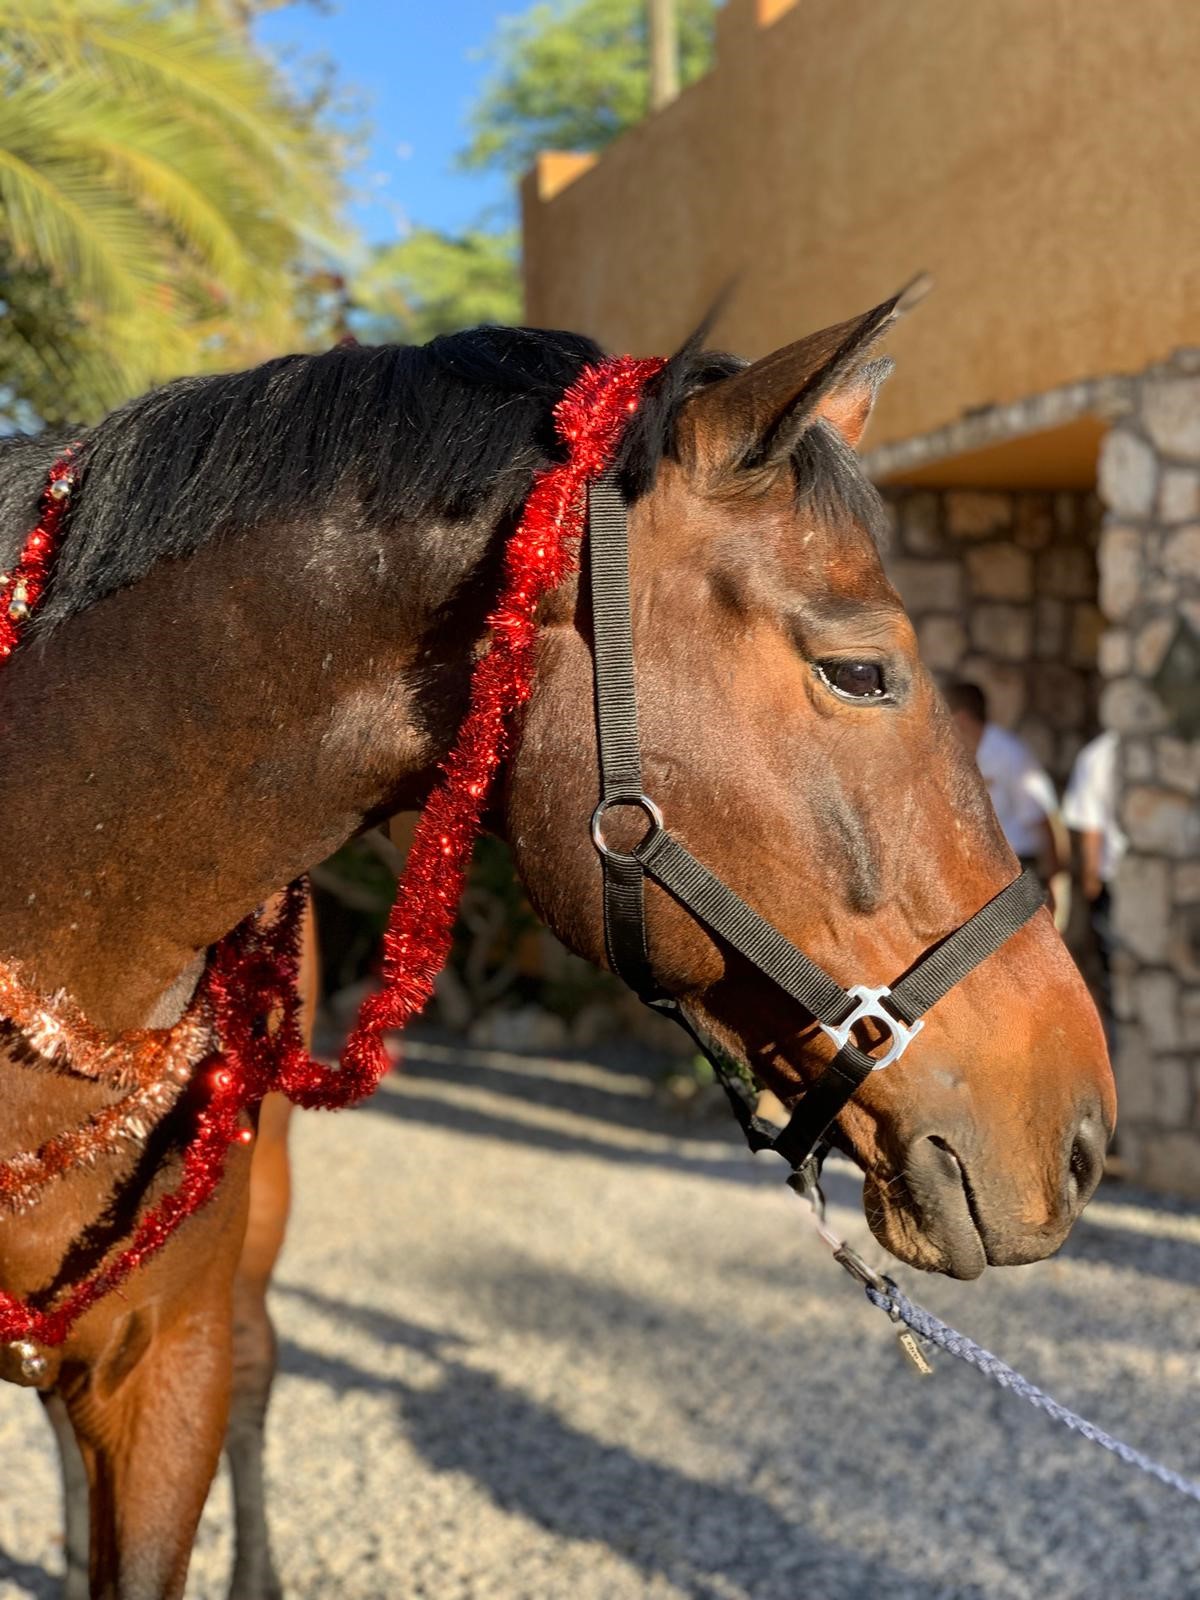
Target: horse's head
{"type": "Point", "coordinates": [796, 744]}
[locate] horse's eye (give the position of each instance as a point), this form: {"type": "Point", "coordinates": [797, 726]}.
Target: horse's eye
{"type": "Point", "coordinates": [856, 680]}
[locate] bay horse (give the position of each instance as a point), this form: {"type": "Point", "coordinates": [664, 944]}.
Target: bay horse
{"type": "Point", "coordinates": [259, 639]}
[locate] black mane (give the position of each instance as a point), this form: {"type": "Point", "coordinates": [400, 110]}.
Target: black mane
{"type": "Point", "coordinates": [402, 432]}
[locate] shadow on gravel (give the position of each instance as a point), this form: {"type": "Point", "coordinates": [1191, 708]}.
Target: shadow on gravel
{"type": "Point", "coordinates": [470, 1122]}
{"type": "Point", "coordinates": [383, 1326]}
{"type": "Point", "coordinates": [638, 1110]}
{"type": "Point", "coordinates": [29, 1578]}
{"type": "Point", "coordinates": [713, 1539]}
{"type": "Point", "coordinates": [1138, 1248]}
{"type": "Point", "coordinates": [1173, 1260]}
{"type": "Point", "coordinates": [521, 1296]}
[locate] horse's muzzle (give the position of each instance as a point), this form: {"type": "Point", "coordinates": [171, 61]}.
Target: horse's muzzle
{"type": "Point", "coordinates": [957, 1213]}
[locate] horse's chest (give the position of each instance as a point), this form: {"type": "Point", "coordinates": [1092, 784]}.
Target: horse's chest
{"type": "Point", "coordinates": [35, 1109]}
{"type": "Point", "coordinates": [89, 1211]}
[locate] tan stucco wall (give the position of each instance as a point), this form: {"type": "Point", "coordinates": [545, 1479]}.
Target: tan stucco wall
{"type": "Point", "coordinates": [1040, 157]}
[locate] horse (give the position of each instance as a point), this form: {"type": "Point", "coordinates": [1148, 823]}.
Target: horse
{"type": "Point", "coordinates": [259, 639]}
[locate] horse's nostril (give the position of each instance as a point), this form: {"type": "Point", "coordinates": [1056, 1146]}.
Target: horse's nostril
{"type": "Point", "coordinates": [1086, 1162]}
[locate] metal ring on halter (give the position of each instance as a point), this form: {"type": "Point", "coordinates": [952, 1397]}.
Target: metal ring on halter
{"type": "Point", "coordinates": [644, 804]}
{"type": "Point", "coordinates": [869, 1005]}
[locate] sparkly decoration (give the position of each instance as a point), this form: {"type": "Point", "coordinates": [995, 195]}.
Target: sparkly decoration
{"type": "Point", "coordinates": [251, 974]}
{"type": "Point", "coordinates": [33, 1363]}
{"type": "Point", "coordinates": [244, 1020]}
{"type": "Point", "coordinates": [62, 1036]}
{"type": "Point", "coordinates": [23, 1177]}
{"type": "Point", "coordinates": [21, 589]}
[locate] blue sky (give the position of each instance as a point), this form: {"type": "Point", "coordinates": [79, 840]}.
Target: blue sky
{"type": "Point", "coordinates": [413, 66]}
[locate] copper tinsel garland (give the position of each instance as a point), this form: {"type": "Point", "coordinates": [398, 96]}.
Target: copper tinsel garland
{"type": "Point", "coordinates": [63, 1037]}
{"type": "Point", "coordinates": [128, 1120]}
{"type": "Point", "coordinates": [243, 1024]}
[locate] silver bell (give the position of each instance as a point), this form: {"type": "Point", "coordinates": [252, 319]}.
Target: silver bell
{"type": "Point", "coordinates": [33, 1363]}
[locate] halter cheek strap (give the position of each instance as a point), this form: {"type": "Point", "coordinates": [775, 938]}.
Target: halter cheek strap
{"type": "Point", "coordinates": [665, 859]}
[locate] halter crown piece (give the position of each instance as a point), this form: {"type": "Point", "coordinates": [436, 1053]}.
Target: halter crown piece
{"type": "Point", "coordinates": [240, 1037]}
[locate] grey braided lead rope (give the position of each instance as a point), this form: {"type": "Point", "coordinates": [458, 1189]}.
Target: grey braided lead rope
{"type": "Point", "coordinates": [898, 1306]}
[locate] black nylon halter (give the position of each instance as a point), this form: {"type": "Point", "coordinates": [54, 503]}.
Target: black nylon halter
{"type": "Point", "coordinates": [662, 857]}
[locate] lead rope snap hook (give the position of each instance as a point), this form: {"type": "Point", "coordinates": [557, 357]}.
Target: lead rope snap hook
{"type": "Point", "coordinates": [848, 1258]}
{"type": "Point", "coordinates": [805, 1181]}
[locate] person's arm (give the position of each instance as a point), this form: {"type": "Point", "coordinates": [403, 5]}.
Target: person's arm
{"type": "Point", "coordinates": [1039, 807]}
{"type": "Point", "coordinates": [1055, 853]}
{"type": "Point", "coordinates": [1050, 865]}
{"type": "Point", "coordinates": [1039, 804]}
{"type": "Point", "coordinates": [1091, 844]}
{"type": "Point", "coordinates": [1083, 812]}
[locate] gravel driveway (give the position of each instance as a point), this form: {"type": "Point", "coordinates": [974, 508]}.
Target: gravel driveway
{"type": "Point", "coordinates": [541, 1339]}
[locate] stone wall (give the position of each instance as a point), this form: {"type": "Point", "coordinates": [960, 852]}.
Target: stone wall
{"type": "Point", "coordinates": [1002, 589]}
{"type": "Point", "coordinates": [1150, 656]}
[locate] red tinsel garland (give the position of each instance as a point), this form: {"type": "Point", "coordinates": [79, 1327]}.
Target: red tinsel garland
{"type": "Point", "coordinates": [590, 419]}
{"type": "Point", "coordinates": [249, 990]}
{"type": "Point", "coordinates": [21, 589]}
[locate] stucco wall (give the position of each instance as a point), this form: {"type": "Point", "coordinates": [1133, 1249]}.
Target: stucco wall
{"type": "Point", "coordinates": [1038, 156]}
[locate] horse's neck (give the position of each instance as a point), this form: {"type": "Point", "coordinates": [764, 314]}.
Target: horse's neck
{"type": "Point", "coordinates": [185, 747]}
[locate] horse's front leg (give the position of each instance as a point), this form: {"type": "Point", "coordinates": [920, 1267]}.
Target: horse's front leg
{"type": "Point", "coordinates": [150, 1445]}
{"type": "Point", "coordinates": [254, 1576]}
{"type": "Point", "coordinates": [76, 1532]}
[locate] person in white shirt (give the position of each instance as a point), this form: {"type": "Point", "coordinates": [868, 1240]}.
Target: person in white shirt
{"type": "Point", "coordinates": [1090, 810]}
{"type": "Point", "coordinates": [1022, 794]}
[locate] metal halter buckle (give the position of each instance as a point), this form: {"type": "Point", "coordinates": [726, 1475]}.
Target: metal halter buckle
{"type": "Point", "coordinates": [644, 804]}
{"type": "Point", "coordinates": [869, 1005]}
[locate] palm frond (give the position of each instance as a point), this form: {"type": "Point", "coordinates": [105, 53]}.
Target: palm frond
{"type": "Point", "coordinates": [156, 170]}
{"type": "Point", "coordinates": [54, 214]}
{"type": "Point", "coordinates": [179, 59]}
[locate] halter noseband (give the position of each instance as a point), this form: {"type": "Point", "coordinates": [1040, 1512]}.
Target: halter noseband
{"type": "Point", "coordinates": [662, 857]}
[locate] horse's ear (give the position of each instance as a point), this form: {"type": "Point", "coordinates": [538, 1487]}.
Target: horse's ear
{"type": "Point", "coordinates": [846, 405]}
{"type": "Point", "coordinates": [755, 418]}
